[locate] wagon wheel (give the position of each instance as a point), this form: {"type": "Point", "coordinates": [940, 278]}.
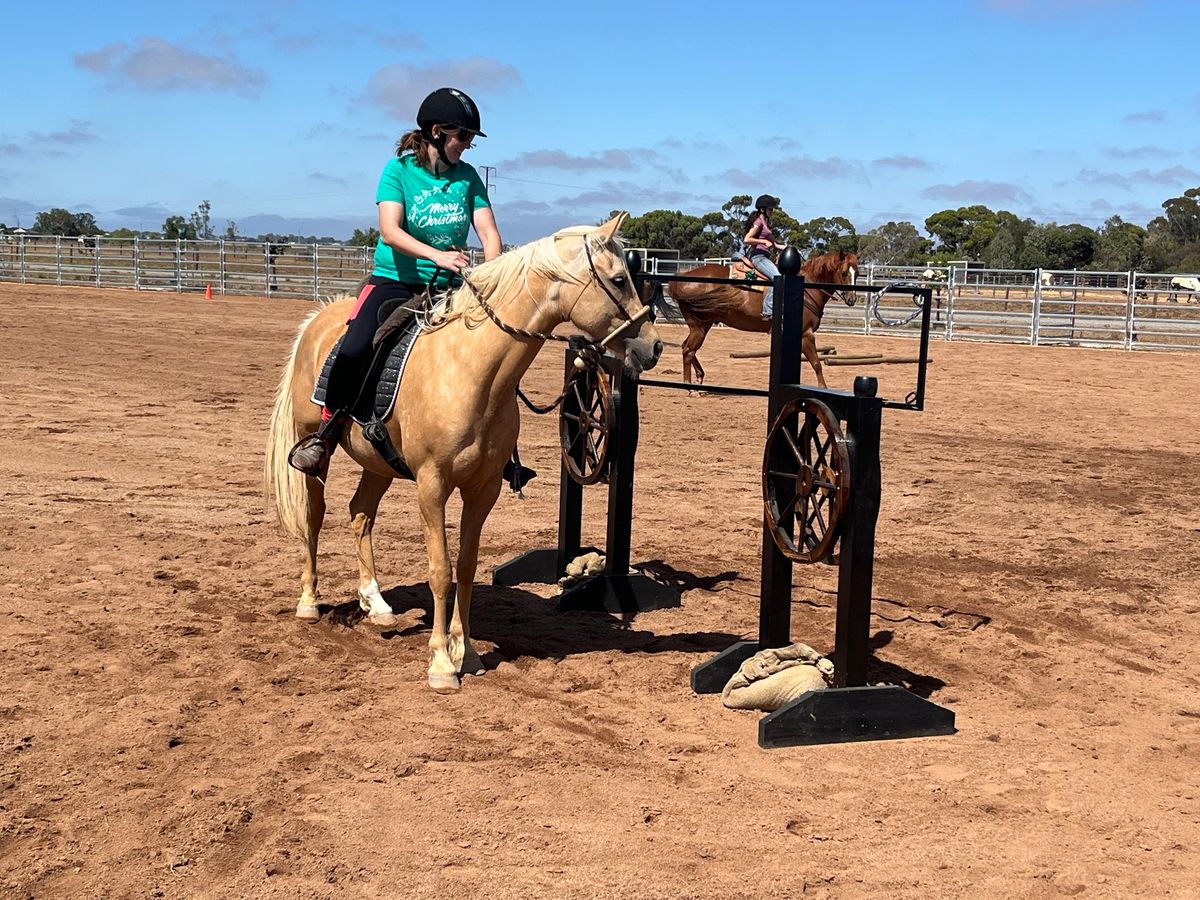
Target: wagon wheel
{"type": "Point", "coordinates": [806, 474]}
{"type": "Point", "coordinates": [585, 424]}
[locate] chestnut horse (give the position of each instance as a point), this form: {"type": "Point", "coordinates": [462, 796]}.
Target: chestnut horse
{"type": "Point", "coordinates": [455, 420]}
{"type": "Point", "coordinates": [704, 305]}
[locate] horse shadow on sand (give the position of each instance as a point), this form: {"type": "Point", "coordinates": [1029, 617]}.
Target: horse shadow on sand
{"type": "Point", "coordinates": [523, 624]}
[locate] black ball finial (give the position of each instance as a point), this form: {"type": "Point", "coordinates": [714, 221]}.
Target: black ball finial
{"type": "Point", "coordinates": [633, 260]}
{"type": "Point", "coordinates": [790, 261]}
{"type": "Point", "coordinates": [866, 386]}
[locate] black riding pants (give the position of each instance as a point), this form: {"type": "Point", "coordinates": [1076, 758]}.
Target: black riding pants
{"type": "Point", "coordinates": [354, 356]}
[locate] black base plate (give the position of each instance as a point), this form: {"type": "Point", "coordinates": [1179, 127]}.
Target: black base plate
{"type": "Point", "coordinates": [630, 593]}
{"type": "Point", "coordinates": [712, 676]}
{"type": "Point", "coordinates": [532, 567]}
{"type": "Point", "coordinates": [838, 715]}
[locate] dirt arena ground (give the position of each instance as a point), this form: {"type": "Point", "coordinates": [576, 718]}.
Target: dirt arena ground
{"type": "Point", "coordinates": [167, 729]}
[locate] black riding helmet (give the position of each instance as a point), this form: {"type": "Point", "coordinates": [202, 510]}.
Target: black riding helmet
{"type": "Point", "coordinates": [451, 108]}
{"type": "Point", "coordinates": [765, 202]}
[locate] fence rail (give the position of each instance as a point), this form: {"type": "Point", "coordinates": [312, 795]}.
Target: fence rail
{"type": "Point", "coordinates": [147, 264]}
{"type": "Point", "coordinates": [1130, 310]}
{"type": "Point", "coordinates": [1133, 310]}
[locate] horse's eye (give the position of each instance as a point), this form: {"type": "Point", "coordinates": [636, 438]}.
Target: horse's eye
{"type": "Point", "coordinates": [619, 280]}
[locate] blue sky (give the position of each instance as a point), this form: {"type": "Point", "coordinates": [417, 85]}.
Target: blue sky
{"type": "Point", "coordinates": [282, 114]}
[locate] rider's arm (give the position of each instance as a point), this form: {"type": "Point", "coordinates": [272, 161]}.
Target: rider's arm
{"type": "Point", "coordinates": [751, 237]}
{"type": "Point", "coordinates": [484, 222]}
{"type": "Point", "coordinates": [391, 215]}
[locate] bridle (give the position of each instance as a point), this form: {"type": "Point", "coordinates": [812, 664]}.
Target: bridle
{"type": "Point", "coordinates": [848, 297]}
{"type": "Point", "coordinates": [594, 345]}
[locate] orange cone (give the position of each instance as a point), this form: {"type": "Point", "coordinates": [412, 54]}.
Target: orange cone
{"type": "Point", "coordinates": [208, 292]}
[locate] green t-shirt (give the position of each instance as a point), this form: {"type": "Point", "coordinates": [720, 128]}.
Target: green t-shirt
{"type": "Point", "coordinates": [437, 211]}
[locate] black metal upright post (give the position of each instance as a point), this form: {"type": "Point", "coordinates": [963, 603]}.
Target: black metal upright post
{"type": "Point", "coordinates": [787, 329]}
{"type": "Point", "coordinates": [775, 589]}
{"type": "Point", "coordinates": [618, 589]}
{"type": "Point", "coordinates": [856, 559]}
{"type": "Point", "coordinates": [547, 565]}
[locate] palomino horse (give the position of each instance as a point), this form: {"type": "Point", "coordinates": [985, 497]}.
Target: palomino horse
{"type": "Point", "coordinates": [456, 420]}
{"type": "Point", "coordinates": [704, 305]}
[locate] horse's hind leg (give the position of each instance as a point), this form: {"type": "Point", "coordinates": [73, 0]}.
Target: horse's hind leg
{"type": "Point", "coordinates": [363, 507]}
{"type": "Point", "coordinates": [476, 506]}
{"type": "Point", "coordinates": [691, 345]}
{"type": "Point", "coordinates": [306, 608]}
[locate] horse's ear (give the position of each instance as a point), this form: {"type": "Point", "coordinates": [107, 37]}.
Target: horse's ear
{"type": "Point", "coordinates": [608, 231]}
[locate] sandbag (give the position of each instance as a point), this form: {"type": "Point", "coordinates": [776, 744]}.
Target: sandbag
{"type": "Point", "coordinates": [771, 678]}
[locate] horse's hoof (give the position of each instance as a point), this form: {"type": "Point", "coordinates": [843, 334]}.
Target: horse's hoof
{"type": "Point", "coordinates": [444, 684]}
{"type": "Point", "coordinates": [383, 620]}
{"type": "Point", "coordinates": [308, 614]}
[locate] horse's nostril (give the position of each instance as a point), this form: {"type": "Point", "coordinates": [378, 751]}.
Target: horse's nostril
{"type": "Point", "coordinates": [658, 348]}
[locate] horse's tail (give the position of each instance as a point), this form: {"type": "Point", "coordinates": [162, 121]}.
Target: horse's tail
{"type": "Point", "coordinates": [284, 486]}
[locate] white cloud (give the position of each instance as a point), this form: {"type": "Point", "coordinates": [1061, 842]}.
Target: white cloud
{"type": "Point", "coordinates": [1146, 151]}
{"type": "Point", "coordinates": [903, 162]}
{"type": "Point", "coordinates": [558, 159]}
{"type": "Point", "coordinates": [970, 192]}
{"type": "Point", "coordinates": [48, 143]}
{"type": "Point", "coordinates": [399, 89]}
{"type": "Point", "coordinates": [154, 64]}
{"type": "Point", "coordinates": [1175, 175]}
{"type": "Point", "coordinates": [1148, 117]}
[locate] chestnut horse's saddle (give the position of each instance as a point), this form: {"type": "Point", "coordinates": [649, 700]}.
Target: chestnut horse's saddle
{"type": "Point", "coordinates": [740, 268]}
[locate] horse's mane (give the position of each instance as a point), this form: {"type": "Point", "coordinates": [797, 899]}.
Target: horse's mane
{"type": "Point", "coordinates": [488, 279]}
{"type": "Point", "coordinates": [822, 268]}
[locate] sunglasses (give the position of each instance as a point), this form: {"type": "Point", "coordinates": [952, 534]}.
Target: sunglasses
{"type": "Point", "coordinates": [463, 136]}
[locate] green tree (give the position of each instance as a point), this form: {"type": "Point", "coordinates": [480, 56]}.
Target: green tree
{"type": "Point", "coordinates": [65, 222]}
{"type": "Point", "coordinates": [964, 232]}
{"type": "Point", "coordinates": [823, 235]}
{"type": "Point", "coordinates": [672, 230]}
{"type": "Point", "coordinates": [1053, 246]}
{"type": "Point", "coordinates": [1119, 246]}
{"type": "Point", "coordinates": [368, 238]}
{"type": "Point", "coordinates": [730, 223]}
{"type": "Point", "coordinates": [201, 222]}
{"type": "Point", "coordinates": [894, 244]}
{"type": "Point", "coordinates": [1173, 239]}
{"type": "Point", "coordinates": [231, 230]}
{"type": "Point", "coordinates": [1182, 217]}
{"type": "Point", "coordinates": [178, 228]}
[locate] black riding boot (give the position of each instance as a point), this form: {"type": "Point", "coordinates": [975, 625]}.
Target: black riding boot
{"type": "Point", "coordinates": [312, 452]}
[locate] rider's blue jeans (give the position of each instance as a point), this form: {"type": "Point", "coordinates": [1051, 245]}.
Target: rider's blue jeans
{"type": "Point", "coordinates": [763, 263]}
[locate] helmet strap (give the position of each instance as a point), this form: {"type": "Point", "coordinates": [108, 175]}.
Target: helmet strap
{"type": "Point", "coordinates": [439, 144]}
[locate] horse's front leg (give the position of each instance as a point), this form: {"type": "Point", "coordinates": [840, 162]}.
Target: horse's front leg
{"type": "Point", "coordinates": [432, 494]}
{"type": "Point", "coordinates": [306, 607]}
{"type": "Point", "coordinates": [364, 506]}
{"type": "Point", "coordinates": [476, 506]}
{"type": "Point", "coordinates": [808, 345]}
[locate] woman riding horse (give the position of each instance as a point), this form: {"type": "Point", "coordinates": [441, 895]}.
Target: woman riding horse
{"type": "Point", "coordinates": [759, 243]}
{"type": "Point", "coordinates": [704, 305]}
{"type": "Point", "coordinates": [427, 198]}
{"type": "Point", "coordinates": [455, 421]}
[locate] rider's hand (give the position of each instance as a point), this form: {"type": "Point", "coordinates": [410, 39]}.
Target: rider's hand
{"type": "Point", "coordinates": [451, 260]}
{"type": "Point", "coordinates": [779, 246]}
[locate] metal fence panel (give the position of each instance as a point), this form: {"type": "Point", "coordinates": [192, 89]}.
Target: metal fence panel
{"type": "Point", "coordinates": [1134, 310]}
